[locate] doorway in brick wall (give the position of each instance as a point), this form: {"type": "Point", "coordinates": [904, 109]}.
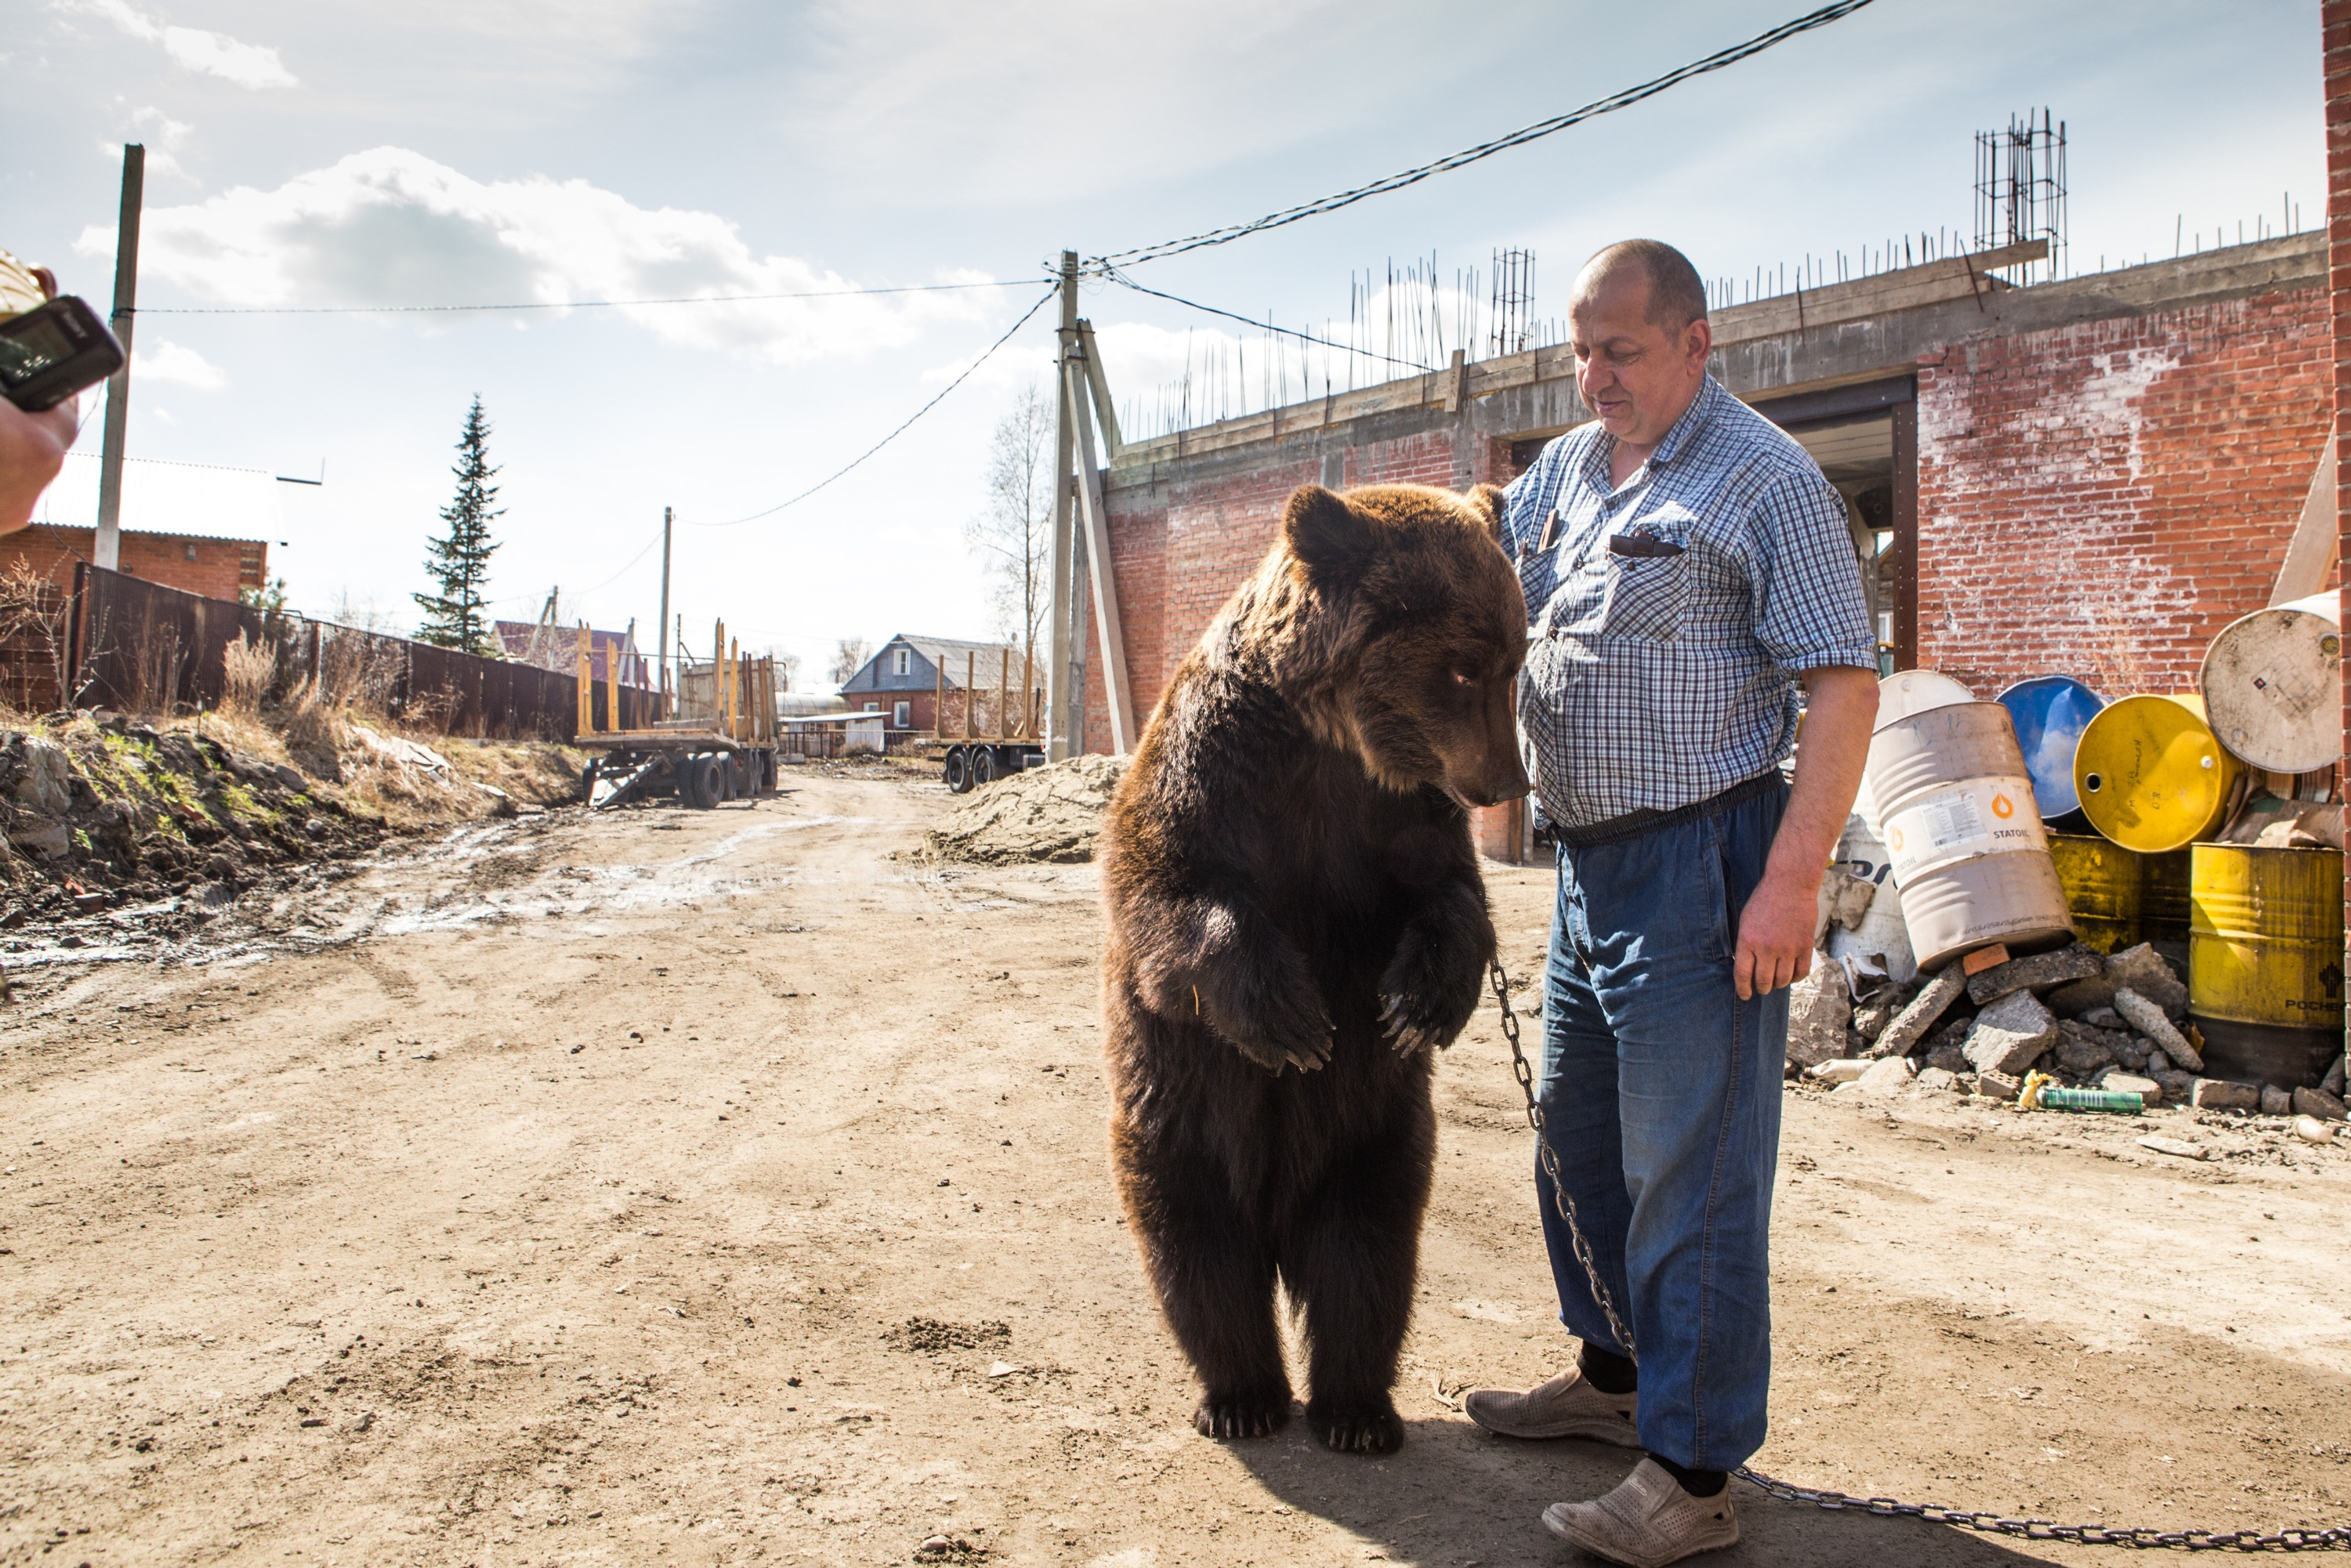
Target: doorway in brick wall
{"type": "Point", "coordinates": [1864, 436]}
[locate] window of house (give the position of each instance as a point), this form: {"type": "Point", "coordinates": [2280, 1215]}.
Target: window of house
{"type": "Point", "coordinates": [901, 662]}
{"type": "Point", "coordinates": [872, 707]}
{"type": "Point", "coordinates": [901, 716]}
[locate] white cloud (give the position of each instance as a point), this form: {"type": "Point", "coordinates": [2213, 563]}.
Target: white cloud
{"type": "Point", "coordinates": [162, 135]}
{"type": "Point", "coordinates": [191, 49]}
{"type": "Point", "coordinates": [163, 361]}
{"type": "Point", "coordinates": [393, 227]}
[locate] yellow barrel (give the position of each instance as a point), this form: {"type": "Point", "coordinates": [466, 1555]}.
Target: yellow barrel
{"type": "Point", "coordinates": [2103, 885]}
{"type": "Point", "coordinates": [2163, 895]}
{"type": "Point", "coordinates": [2273, 686]}
{"type": "Point", "coordinates": [1969, 855]}
{"type": "Point", "coordinates": [2265, 961]}
{"type": "Point", "coordinates": [2151, 776]}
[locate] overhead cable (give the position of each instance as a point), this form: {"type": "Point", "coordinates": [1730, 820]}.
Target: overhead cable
{"type": "Point", "coordinates": [563, 303]}
{"type": "Point", "coordinates": [1126, 282]}
{"type": "Point", "coordinates": [1837, 11]}
{"type": "Point", "coordinates": [770, 511]}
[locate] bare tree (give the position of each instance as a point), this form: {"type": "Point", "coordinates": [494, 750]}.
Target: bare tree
{"type": "Point", "coordinates": [1014, 532]}
{"type": "Point", "coordinates": [848, 658]}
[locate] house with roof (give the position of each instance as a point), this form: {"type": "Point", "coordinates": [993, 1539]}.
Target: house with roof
{"type": "Point", "coordinates": [903, 678]}
{"type": "Point", "coordinates": [557, 648]}
{"type": "Point", "coordinates": [194, 527]}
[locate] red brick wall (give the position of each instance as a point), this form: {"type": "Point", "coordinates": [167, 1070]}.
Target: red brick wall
{"type": "Point", "coordinates": [2335, 21]}
{"type": "Point", "coordinates": [219, 569]}
{"type": "Point", "coordinates": [2100, 499]}
{"type": "Point", "coordinates": [1179, 548]}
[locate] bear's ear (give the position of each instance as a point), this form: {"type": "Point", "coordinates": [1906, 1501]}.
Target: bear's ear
{"type": "Point", "coordinates": [1486, 500]}
{"type": "Point", "coordinates": [1332, 537]}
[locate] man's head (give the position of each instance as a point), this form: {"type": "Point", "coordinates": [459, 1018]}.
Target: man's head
{"type": "Point", "coordinates": [1638, 325]}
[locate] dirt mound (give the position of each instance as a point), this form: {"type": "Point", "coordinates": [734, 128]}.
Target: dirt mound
{"type": "Point", "coordinates": [1051, 813]}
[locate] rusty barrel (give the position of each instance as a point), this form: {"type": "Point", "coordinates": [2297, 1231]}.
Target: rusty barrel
{"type": "Point", "coordinates": [1969, 855]}
{"type": "Point", "coordinates": [2273, 686]}
{"type": "Point", "coordinates": [2152, 776]}
{"type": "Point", "coordinates": [2265, 961]}
{"type": "Point", "coordinates": [2104, 887]}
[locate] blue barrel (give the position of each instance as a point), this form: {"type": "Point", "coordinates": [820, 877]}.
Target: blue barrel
{"type": "Point", "coordinates": [2050, 712]}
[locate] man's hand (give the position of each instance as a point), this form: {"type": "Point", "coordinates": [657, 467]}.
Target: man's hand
{"type": "Point", "coordinates": [1775, 928]}
{"type": "Point", "coordinates": [33, 446]}
{"type": "Point", "coordinates": [32, 449]}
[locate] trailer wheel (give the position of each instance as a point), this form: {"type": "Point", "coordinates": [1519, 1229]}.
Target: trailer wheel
{"type": "Point", "coordinates": [983, 765]}
{"type": "Point", "coordinates": [698, 782]}
{"type": "Point", "coordinates": [957, 770]}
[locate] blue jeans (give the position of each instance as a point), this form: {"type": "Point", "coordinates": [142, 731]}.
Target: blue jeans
{"type": "Point", "coordinates": [1662, 1093]}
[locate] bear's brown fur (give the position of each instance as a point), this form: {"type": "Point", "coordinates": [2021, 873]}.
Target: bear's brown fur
{"type": "Point", "coordinates": [1290, 883]}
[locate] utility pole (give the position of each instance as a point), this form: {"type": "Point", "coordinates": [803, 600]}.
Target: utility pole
{"type": "Point", "coordinates": [1060, 708]}
{"type": "Point", "coordinates": [109, 552]}
{"type": "Point", "coordinates": [662, 660]}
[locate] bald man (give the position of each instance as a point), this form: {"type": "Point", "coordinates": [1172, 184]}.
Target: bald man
{"type": "Point", "coordinates": [1688, 569]}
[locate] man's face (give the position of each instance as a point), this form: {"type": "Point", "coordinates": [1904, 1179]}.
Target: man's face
{"type": "Point", "coordinates": [1634, 372]}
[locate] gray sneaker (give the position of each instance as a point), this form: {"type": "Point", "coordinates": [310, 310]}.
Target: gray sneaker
{"type": "Point", "coordinates": [1648, 1521]}
{"type": "Point", "coordinates": [1566, 1406]}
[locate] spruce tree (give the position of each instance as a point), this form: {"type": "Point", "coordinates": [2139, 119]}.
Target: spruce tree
{"type": "Point", "coordinates": [459, 562]}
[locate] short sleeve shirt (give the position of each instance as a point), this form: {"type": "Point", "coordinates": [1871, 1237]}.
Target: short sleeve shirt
{"type": "Point", "coordinates": [1671, 615]}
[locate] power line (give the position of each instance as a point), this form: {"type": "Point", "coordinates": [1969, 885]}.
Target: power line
{"type": "Point", "coordinates": [562, 303]}
{"type": "Point", "coordinates": [804, 495]}
{"type": "Point", "coordinates": [1836, 10]}
{"type": "Point", "coordinates": [1124, 281]}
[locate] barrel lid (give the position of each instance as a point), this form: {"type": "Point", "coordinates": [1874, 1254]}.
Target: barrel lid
{"type": "Point", "coordinates": [1908, 692]}
{"type": "Point", "coordinates": [2272, 683]}
{"type": "Point", "coordinates": [2150, 774]}
{"type": "Point", "coordinates": [2050, 712]}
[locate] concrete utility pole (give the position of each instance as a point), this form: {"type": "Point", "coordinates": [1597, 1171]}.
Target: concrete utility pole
{"type": "Point", "coordinates": [109, 552]}
{"type": "Point", "coordinates": [1062, 710]}
{"type": "Point", "coordinates": [662, 660]}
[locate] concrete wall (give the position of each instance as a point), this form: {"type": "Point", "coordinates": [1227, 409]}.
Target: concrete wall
{"type": "Point", "coordinates": [2098, 499]}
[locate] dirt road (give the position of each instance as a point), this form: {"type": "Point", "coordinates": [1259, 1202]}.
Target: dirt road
{"type": "Point", "coordinates": [715, 1187]}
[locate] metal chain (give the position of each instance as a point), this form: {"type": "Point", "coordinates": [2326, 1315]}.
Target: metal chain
{"type": "Point", "coordinates": [2337, 1539]}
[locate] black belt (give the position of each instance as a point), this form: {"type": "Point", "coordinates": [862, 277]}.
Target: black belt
{"type": "Point", "coordinates": [1632, 824]}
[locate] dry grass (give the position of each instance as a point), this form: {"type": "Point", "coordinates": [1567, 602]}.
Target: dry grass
{"type": "Point", "coordinates": [247, 670]}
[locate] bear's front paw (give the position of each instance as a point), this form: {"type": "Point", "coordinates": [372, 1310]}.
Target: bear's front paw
{"type": "Point", "coordinates": [1421, 1007]}
{"type": "Point", "coordinates": [1297, 1036]}
{"type": "Point", "coordinates": [1357, 1428]}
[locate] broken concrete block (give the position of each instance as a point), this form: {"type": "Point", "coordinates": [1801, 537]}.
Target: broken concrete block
{"type": "Point", "coordinates": [1870, 1017]}
{"type": "Point", "coordinates": [2042, 972]}
{"type": "Point", "coordinates": [2336, 1079]}
{"type": "Point", "coordinates": [1948, 1059]}
{"type": "Point", "coordinates": [1819, 1008]}
{"type": "Point", "coordinates": [1884, 1075]}
{"type": "Point", "coordinates": [2010, 1034]}
{"type": "Point", "coordinates": [2318, 1102]}
{"type": "Point", "coordinates": [44, 836]}
{"type": "Point", "coordinates": [1844, 899]}
{"type": "Point", "coordinates": [1937, 1077]}
{"type": "Point", "coordinates": [2149, 1092]}
{"type": "Point", "coordinates": [2219, 1094]}
{"type": "Point", "coordinates": [2081, 1049]}
{"type": "Point", "coordinates": [2276, 1102]}
{"type": "Point", "coordinates": [1998, 1085]}
{"type": "Point", "coordinates": [1840, 1070]}
{"type": "Point", "coordinates": [46, 782]}
{"type": "Point", "coordinates": [2177, 1087]}
{"type": "Point", "coordinates": [2134, 1050]}
{"type": "Point", "coordinates": [1911, 1024]}
{"type": "Point", "coordinates": [2097, 1017]}
{"type": "Point", "coordinates": [2145, 971]}
{"type": "Point", "coordinates": [2146, 1016]}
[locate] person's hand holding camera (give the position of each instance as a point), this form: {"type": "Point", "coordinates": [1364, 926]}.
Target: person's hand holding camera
{"type": "Point", "coordinates": [33, 446]}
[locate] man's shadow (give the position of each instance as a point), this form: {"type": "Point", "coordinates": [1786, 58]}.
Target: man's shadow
{"type": "Point", "coordinates": [1455, 1495]}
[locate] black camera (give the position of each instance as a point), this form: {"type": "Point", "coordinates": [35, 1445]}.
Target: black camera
{"type": "Point", "coordinates": [49, 353]}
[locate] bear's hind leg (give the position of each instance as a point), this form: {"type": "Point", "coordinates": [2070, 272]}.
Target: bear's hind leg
{"type": "Point", "coordinates": [1352, 1256]}
{"type": "Point", "coordinates": [1213, 1270]}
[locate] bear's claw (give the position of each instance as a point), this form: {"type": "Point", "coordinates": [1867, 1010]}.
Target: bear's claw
{"type": "Point", "coordinates": [1363, 1430]}
{"type": "Point", "coordinates": [1406, 1034]}
{"type": "Point", "coordinates": [1225, 1418]}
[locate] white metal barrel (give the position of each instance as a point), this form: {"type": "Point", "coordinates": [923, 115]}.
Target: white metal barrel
{"type": "Point", "coordinates": [2273, 686]}
{"type": "Point", "coordinates": [1900, 694]}
{"type": "Point", "coordinates": [1963, 832]}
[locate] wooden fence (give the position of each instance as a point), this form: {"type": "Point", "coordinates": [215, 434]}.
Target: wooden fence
{"type": "Point", "coordinates": [145, 648]}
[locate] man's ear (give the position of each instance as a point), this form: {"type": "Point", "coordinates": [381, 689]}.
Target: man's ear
{"type": "Point", "coordinates": [1486, 500]}
{"type": "Point", "coordinates": [1325, 532]}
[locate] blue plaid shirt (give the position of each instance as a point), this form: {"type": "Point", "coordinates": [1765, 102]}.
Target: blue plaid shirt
{"type": "Point", "coordinates": [1670, 616]}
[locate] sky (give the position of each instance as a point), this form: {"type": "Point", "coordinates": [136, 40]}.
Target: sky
{"type": "Point", "coordinates": [499, 152]}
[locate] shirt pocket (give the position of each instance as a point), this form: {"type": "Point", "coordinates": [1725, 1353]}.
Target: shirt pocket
{"type": "Point", "coordinates": [1649, 593]}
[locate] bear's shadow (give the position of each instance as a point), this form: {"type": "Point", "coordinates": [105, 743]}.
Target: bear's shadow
{"type": "Point", "coordinates": [1455, 1495]}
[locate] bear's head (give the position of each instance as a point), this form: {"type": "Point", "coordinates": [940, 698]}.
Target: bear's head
{"type": "Point", "coordinates": [1391, 617]}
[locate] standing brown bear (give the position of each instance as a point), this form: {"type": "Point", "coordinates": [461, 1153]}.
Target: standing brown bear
{"type": "Point", "coordinates": [1296, 921]}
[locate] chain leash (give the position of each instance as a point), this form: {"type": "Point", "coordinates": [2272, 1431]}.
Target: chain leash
{"type": "Point", "coordinates": [2337, 1539]}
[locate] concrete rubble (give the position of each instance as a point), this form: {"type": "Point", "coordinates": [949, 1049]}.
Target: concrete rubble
{"type": "Point", "coordinates": [2117, 1022]}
